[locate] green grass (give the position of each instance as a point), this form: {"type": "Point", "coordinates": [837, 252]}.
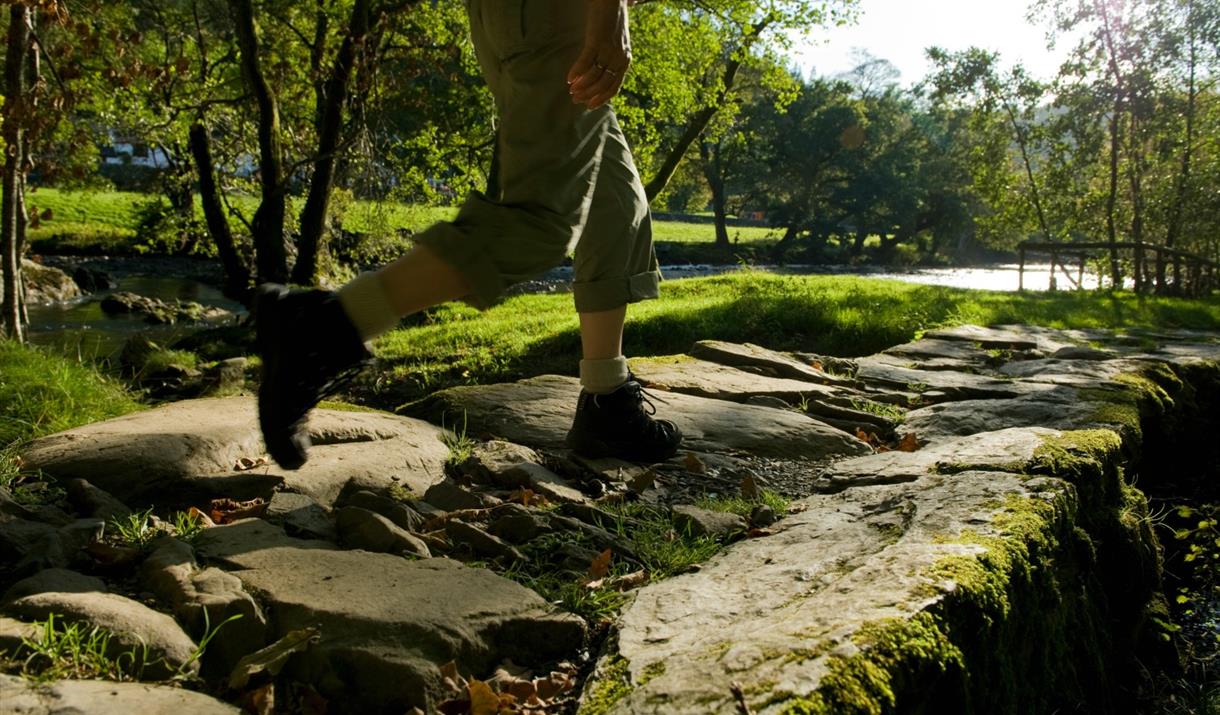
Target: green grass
{"type": "Point", "coordinates": [662, 553]}
{"type": "Point", "coordinates": [42, 393]}
{"type": "Point", "coordinates": [95, 222]}
{"type": "Point", "coordinates": [744, 507]}
{"type": "Point", "coordinates": [74, 651]}
{"type": "Point", "coordinates": [685, 232]}
{"type": "Point", "coordinates": [832, 315]}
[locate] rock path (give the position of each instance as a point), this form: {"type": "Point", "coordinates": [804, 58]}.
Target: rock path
{"type": "Point", "coordinates": [959, 502]}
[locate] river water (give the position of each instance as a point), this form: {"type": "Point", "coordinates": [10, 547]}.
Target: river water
{"type": "Point", "coordinates": [81, 327]}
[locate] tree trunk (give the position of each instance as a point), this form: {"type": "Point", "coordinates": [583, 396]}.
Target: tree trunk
{"type": "Point", "coordinates": [1034, 194]}
{"type": "Point", "coordinates": [1116, 276]}
{"type": "Point", "coordinates": [237, 275]}
{"type": "Point", "coordinates": [271, 257]}
{"type": "Point", "coordinates": [1115, 144]}
{"type": "Point", "coordinates": [1135, 172]}
{"type": "Point", "coordinates": [699, 121]}
{"type": "Point", "coordinates": [11, 323]}
{"type": "Point", "coordinates": [313, 216]}
{"type": "Point", "coordinates": [715, 180]}
{"type": "Point", "coordinates": [1179, 199]}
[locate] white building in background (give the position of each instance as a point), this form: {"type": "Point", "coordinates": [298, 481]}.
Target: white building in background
{"type": "Point", "coordinates": [123, 152]}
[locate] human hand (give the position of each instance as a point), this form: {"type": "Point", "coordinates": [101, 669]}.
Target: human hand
{"type": "Point", "coordinates": [597, 75]}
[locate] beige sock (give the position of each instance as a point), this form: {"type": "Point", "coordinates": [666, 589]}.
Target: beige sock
{"type": "Point", "coordinates": [601, 377]}
{"type": "Point", "coordinates": [367, 305]}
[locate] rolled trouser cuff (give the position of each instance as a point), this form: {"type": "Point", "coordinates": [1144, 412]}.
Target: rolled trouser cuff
{"type": "Point", "coordinates": [466, 255]}
{"type": "Point", "coordinates": [597, 296]}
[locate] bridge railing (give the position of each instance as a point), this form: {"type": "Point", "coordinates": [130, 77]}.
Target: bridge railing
{"type": "Point", "coordinates": [1153, 268]}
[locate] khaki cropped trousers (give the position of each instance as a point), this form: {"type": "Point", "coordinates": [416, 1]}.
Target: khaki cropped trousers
{"type": "Point", "coordinates": [562, 178]}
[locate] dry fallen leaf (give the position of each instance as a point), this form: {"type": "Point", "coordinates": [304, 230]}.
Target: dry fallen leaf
{"type": "Point", "coordinates": [245, 464]}
{"type": "Point", "coordinates": [600, 566]}
{"type": "Point", "coordinates": [626, 582]}
{"type": "Point", "coordinates": [909, 443]}
{"type": "Point", "coordinates": [527, 497]}
{"type": "Point", "coordinates": [642, 481]}
{"type": "Point", "coordinates": [199, 516]}
{"type": "Point", "coordinates": [694, 464]}
{"type": "Point", "coordinates": [272, 659]}
{"type": "Point", "coordinates": [759, 533]}
{"type": "Point", "coordinates": [225, 511]}
{"type": "Point", "coordinates": [483, 700]}
{"type": "Point", "coordinates": [816, 365]}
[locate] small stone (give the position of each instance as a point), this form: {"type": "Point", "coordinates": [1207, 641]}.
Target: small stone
{"type": "Point", "coordinates": [300, 516]}
{"type": "Point", "coordinates": [549, 484]}
{"type": "Point", "coordinates": [449, 496]}
{"type": "Point", "coordinates": [91, 501]}
{"type": "Point", "coordinates": [370, 531]}
{"type": "Point", "coordinates": [104, 697]}
{"type": "Point", "coordinates": [203, 598]}
{"type": "Point", "coordinates": [55, 580]}
{"type": "Point", "coordinates": [132, 623]}
{"type": "Point", "coordinates": [14, 633]}
{"type": "Point", "coordinates": [481, 542]}
{"type": "Point", "coordinates": [497, 462]}
{"type": "Point", "coordinates": [702, 522]}
{"type": "Point", "coordinates": [518, 524]}
{"type": "Point", "coordinates": [402, 515]}
{"type": "Point", "coordinates": [33, 546]}
{"type": "Point", "coordinates": [762, 516]}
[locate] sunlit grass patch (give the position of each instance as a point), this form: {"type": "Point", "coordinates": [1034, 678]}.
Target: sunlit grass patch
{"type": "Point", "coordinates": [844, 316]}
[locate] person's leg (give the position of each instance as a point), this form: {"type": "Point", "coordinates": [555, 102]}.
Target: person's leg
{"type": "Point", "coordinates": [615, 265]}
{"type": "Point", "coordinates": [548, 153]}
{"type": "Point", "coordinates": [603, 369]}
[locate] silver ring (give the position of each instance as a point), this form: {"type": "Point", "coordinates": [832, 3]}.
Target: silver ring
{"type": "Point", "coordinates": [601, 67]}
{"type": "Point", "coordinates": [610, 72]}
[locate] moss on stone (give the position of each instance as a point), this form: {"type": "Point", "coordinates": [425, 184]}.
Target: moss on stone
{"type": "Point", "coordinates": [895, 654]}
{"type": "Point", "coordinates": [1079, 456]}
{"type": "Point", "coordinates": [654, 670]}
{"type": "Point", "coordinates": [612, 685]}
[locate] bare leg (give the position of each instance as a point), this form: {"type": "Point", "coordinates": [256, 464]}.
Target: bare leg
{"type": "Point", "coordinates": [420, 280]}
{"type": "Point", "coordinates": [601, 333]}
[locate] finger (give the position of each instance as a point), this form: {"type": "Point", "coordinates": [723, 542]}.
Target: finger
{"type": "Point", "coordinates": [605, 97]}
{"type": "Point", "coordinates": [590, 78]}
{"type": "Point", "coordinates": [584, 63]}
{"type": "Point", "coordinates": [606, 83]}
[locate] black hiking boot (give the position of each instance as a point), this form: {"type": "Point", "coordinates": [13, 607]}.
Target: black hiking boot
{"type": "Point", "coordinates": [310, 349]}
{"type": "Point", "coordinates": [620, 424]}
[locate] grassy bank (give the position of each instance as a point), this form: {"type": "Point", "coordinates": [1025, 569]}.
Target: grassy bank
{"type": "Point", "coordinates": [833, 315]}
{"type": "Point", "coordinates": [42, 393]}
{"type": "Point", "coordinates": [106, 222]}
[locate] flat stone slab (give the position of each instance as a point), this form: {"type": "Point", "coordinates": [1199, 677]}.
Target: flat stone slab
{"type": "Point", "coordinates": [882, 374]}
{"type": "Point", "coordinates": [538, 412]}
{"type": "Point", "coordinates": [959, 351]}
{"type": "Point", "coordinates": [1000, 450]}
{"type": "Point", "coordinates": [766, 361]}
{"type": "Point", "coordinates": [1005, 337]}
{"type": "Point", "coordinates": [691, 376]}
{"type": "Point", "coordinates": [104, 697]}
{"type": "Point", "coordinates": [1062, 409]}
{"type": "Point", "coordinates": [388, 623]}
{"type": "Point", "coordinates": [769, 613]}
{"type": "Point", "coordinates": [190, 451]}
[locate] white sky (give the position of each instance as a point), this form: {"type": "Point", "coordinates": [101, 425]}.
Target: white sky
{"type": "Point", "coordinates": [900, 30]}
